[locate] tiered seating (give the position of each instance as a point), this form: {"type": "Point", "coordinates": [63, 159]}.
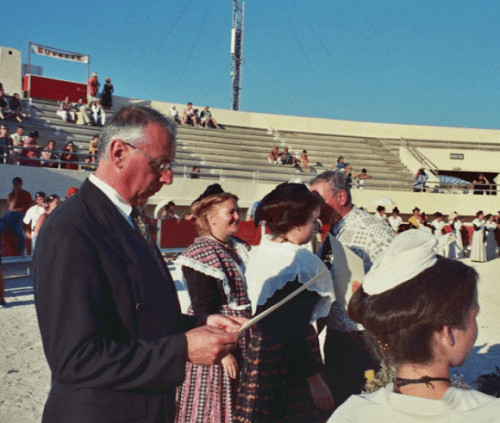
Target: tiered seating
{"type": "Point", "coordinates": [241, 152]}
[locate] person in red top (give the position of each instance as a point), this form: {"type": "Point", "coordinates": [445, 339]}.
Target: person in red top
{"type": "Point", "coordinates": [93, 89]}
{"type": "Point", "coordinates": [31, 151]}
{"type": "Point", "coordinates": [19, 202]}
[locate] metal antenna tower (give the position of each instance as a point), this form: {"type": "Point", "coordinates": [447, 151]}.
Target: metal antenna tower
{"type": "Point", "coordinates": [236, 51]}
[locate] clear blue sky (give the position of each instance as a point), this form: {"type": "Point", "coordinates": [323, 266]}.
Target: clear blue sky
{"type": "Point", "coordinates": [425, 62]}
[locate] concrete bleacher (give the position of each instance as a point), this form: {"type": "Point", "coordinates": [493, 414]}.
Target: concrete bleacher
{"type": "Point", "coordinates": [238, 152]}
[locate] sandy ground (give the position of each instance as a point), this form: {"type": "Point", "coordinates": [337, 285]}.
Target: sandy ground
{"type": "Point", "coordinates": [25, 377]}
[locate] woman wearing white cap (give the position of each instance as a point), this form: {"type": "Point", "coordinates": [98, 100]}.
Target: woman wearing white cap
{"type": "Point", "coordinates": [420, 311]}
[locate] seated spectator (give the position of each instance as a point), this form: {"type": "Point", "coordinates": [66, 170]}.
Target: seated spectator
{"type": "Point", "coordinates": [348, 171]}
{"type": "Point", "coordinates": [174, 115]}
{"type": "Point", "coordinates": [274, 155]}
{"type": "Point", "coordinates": [481, 184]}
{"type": "Point", "coordinates": [361, 177]}
{"type": "Point", "coordinates": [93, 88]}
{"type": "Point", "coordinates": [189, 116]}
{"type": "Point", "coordinates": [94, 144]}
{"type": "Point", "coordinates": [287, 158]}
{"type": "Point", "coordinates": [107, 97]}
{"type": "Point", "coordinates": [98, 114]}
{"type": "Point", "coordinates": [195, 173]}
{"type": "Point", "coordinates": [395, 220]}
{"type": "Point", "coordinates": [419, 180]}
{"type": "Point", "coordinates": [18, 142]}
{"type": "Point", "coordinates": [50, 204]}
{"type": "Point", "coordinates": [49, 156]}
{"type": "Point", "coordinates": [5, 111]}
{"type": "Point", "coordinates": [304, 160]}
{"type": "Point", "coordinates": [65, 111]}
{"type": "Point", "coordinates": [339, 164]}
{"type": "Point", "coordinates": [207, 119]}
{"type": "Point", "coordinates": [381, 213]}
{"type": "Point", "coordinates": [5, 144]}
{"type": "Point", "coordinates": [69, 158]}
{"type": "Point", "coordinates": [414, 220]}
{"type": "Point", "coordinates": [30, 155]}
{"type": "Point", "coordinates": [82, 118]}
{"type": "Point", "coordinates": [17, 108]}
{"type": "Point", "coordinates": [168, 213]}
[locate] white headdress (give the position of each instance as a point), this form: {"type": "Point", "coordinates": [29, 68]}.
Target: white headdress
{"type": "Point", "coordinates": [409, 254]}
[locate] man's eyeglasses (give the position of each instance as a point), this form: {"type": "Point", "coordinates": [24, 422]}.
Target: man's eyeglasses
{"type": "Point", "coordinates": [160, 167]}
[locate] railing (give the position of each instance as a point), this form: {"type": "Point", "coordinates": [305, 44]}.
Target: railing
{"type": "Point", "coordinates": [422, 159]}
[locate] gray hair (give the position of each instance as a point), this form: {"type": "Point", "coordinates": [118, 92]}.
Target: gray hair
{"type": "Point", "coordinates": [336, 180]}
{"type": "Point", "coordinates": [129, 124]}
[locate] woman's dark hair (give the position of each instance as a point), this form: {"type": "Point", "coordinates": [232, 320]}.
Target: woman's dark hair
{"type": "Point", "coordinates": [395, 210]}
{"type": "Point", "coordinates": [479, 213]}
{"type": "Point", "coordinates": [380, 208]}
{"type": "Point", "coordinates": [287, 206]}
{"type": "Point", "coordinates": [405, 318]}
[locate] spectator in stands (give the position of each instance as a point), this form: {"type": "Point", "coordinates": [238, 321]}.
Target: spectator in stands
{"type": "Point", "coordinates": [49, 155]}
{"type": "Point", "coordinates": [19, 203]}
{"type": "Point", "coordinates": [304, 160]}
{"type": "Point", "coordinates": [168, 212]}
{"type": "Point", "coordinates": [30, 154]}
{"type": "Point", "coordinates": [414, 220]}
{"type": "Point", "coordinates": [361, 177]}
{"type": "Point", "coordinates": [71, 191]}
{"type": "Point", "coordinates": [17, 108]}
{"type": "Point", "coordinates": [18, 140]}
{"type": "Point", "coordinates": [50, 204]}
{"type": "Point", "coordinates": [65, 111]}
{"type": "Point", "coordinates": [381, 213]}
{"type": "Point", "coordinates": [68, 157]}
{"type": "Point", "coordinates": [287, 158]}
{"type": "Point", "coordinates": [481, 184]}
{"type": "Point", "coordinates": [31, 217]}
{"type": "Point", "coordinates": [419, 180]}
{"type": "Point", "coordinates": [107, 97]}
{"type": "Point", "coordinates": [339, 164]}
{"type": "Point", "coordinates": [82, 118]}
{"type": "Point", "coordinates": [195, 173]}
{"type": "Point", "coordinates": [394, 220]}
{"type": "Point", "coordinates": [274, 155]}
{"type": "Point", "coordinates": [5, 144]}
{"type": "Point", "coordinates": [189, 116]}
{"type": "Point", "coordinates": [93, 145]}
{"type": "Point", "coordinates": [174, 115]}
{"type": "Point", "coordinates": [5, 111]}
{"type": "Point", "coordinates": [207, 119]}
{"type": "Point", "coordinates": [92, 89]}
{"type": "Point", "coordinates": [98, 114]}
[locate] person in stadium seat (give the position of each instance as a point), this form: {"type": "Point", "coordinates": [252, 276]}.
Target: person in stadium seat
{"type": "Point", "coordinates": [49, 154]}
{"type": "Point", "coordinates": [65, 111]}
{"type": "Point", "coordinates": [5, 111]}
{"type": "Point", "coordinates": [98, 114]}
{"type": "Point", "coordinates": [174, 115]}
{"type": "Point", "coordinates": [5, 144]}
{"type": "Point", "coordinates": [31, 153]}
{"type": "Point", "coordinates": [207, 119]}
{"type": "Point", "coordinates": [82, 118]}
{"type": "Point", "coordinates": [189, 116]}
{"type": "Point", "coordinates": [17, 108]}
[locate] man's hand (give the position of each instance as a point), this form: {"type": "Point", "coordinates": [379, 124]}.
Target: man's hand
{"type": "Point", "coordinates": [207, 345]}
{"type": "Point", "coordinates": [228, 323]}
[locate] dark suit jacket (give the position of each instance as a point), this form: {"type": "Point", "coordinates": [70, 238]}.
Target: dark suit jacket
{"type": "Point", "coordinates": [111, 324]}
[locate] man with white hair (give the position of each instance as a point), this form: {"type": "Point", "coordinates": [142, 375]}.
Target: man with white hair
{"type": "Point", "coordinates": [346, 358]}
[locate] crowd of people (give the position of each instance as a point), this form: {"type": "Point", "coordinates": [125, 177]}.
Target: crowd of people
{"type": "Point", "coordinates": [82, 114]}
{"type": "Point", "coordinates": [118, 346]}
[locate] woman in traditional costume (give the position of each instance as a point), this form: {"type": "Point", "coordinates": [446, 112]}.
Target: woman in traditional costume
{"type": "Point", "coordinates": [478, 250]}
{"type": "Point", "coordinates": [420, 311]}
{"type": "Point", "coordinates": [281, 380]}
{"type": "Point", "coordinates": [213, 268]}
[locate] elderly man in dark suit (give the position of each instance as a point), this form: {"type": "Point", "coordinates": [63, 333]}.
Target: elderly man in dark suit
{"type": "Point", "coordinates": [112, 329]}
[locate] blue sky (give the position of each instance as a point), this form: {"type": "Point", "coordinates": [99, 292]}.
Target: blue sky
{"type": "Point", "coordinates": [424, 62]}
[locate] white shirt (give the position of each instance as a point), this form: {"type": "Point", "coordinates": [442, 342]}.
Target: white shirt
{"type": "Point", "coordinates": [395, 223]}
{"type": "Point", "coordinates": [123, 207]}
{"type": "Point", "coordinates": [384, 405]}
{"type": "Point", "coordinates": [32, 215]}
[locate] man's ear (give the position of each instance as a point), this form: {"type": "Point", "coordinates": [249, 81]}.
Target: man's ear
{"type": "Point", "coordinates": [342, 197]}
{"type": "Point", "coordinates": [117, 152]}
